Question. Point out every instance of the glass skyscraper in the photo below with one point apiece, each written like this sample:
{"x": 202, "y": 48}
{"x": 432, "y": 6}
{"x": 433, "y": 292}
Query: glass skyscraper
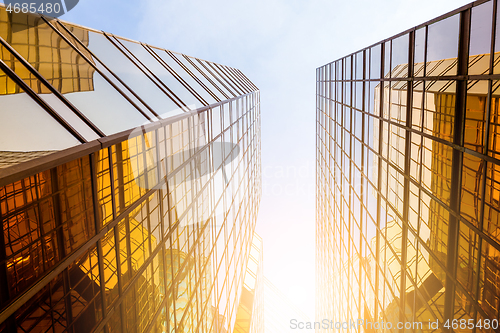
{"x": 408, "y": 178}
{"x": 130, "y": 182}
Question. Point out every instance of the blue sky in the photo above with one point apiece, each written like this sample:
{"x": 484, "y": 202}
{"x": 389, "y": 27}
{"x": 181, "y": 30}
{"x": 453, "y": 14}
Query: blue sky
{"x": 278, "y": 44}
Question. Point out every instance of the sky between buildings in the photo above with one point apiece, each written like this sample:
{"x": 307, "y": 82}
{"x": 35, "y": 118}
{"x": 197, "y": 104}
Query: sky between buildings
{"x": 278, "y": 44}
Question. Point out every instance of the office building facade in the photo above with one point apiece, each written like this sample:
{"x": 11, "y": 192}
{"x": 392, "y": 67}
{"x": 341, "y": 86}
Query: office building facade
{"x": 408, "y": 176}
{"x": 129, "y": 183}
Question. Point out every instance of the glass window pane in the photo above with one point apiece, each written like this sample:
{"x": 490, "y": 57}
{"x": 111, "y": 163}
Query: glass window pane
{"x": 442, "y": 44}
{"x": 25, "y": 126}
{"x": 387, "y": 59}
{"x": 359, "y": 65}
{"x": 491, "y": 220}
{"x": 472, "y": 181}
{"x": 436, "y": 168}
{"x": 399, "y": 63}
{"x": 439, "y": 109}
{"x": 475, "y": 114}
{"x": 418, "y": 68}
{"x": 480, "y": 39}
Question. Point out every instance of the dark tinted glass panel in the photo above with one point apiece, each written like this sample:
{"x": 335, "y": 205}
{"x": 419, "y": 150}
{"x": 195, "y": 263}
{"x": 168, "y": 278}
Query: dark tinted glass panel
{"x": 480, "y": 39}
{"x": 442, "y": 44}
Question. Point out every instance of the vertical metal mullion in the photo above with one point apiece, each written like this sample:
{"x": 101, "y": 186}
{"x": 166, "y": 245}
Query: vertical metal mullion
{"x": 162, "y": 226}
{"x": 486, "y": 145}
{"x": 61, "y": 241}
{"x": 379, "y": 174}
{"x": 4, "y": 287}
{"x": 37, "y": 99}
{"x": 406, "y": 200}
{"x": 97, "y": 225}
{"x": 116, "y": 233}
{"x": 457, "y": 162}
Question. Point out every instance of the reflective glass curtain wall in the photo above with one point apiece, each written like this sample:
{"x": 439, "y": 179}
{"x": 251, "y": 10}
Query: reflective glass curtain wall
{"x": 129, "y": 198}
{"x": 408, "y": 173}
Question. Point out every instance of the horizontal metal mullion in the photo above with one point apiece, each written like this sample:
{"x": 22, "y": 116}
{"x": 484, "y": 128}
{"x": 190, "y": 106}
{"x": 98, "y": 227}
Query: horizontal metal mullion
{"x": 49, "y": 276}
{"x": 18, "y": 302}
{"x": 23, "y": 170}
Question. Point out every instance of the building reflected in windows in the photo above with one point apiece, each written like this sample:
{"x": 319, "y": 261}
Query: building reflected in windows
{"x": 407, "y": 162}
